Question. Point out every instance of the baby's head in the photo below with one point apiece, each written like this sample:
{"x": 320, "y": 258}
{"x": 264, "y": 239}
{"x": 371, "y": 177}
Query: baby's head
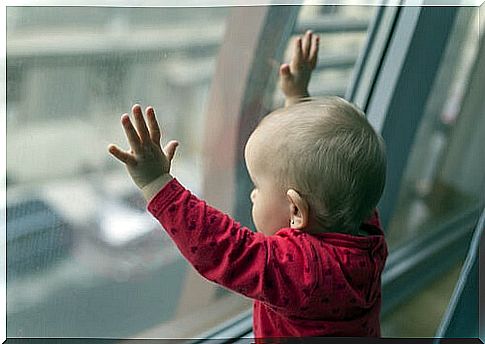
{"x": 317, "y": 166}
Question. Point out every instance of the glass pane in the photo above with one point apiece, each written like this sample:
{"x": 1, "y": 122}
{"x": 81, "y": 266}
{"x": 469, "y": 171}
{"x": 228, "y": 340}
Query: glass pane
{"x": 444, "y": 176}
{"x": 84, "y": 257}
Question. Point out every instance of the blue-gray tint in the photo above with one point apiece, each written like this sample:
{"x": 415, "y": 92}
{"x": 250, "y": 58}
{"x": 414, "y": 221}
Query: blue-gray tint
{"x": 461, "y": 317}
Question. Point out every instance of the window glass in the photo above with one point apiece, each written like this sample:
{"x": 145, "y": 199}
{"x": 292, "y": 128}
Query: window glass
{"x": 444, "y": 175}
{"x": 84, "y": 257}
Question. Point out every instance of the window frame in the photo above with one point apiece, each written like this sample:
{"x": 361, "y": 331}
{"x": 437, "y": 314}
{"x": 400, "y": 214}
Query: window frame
{"x": 394, "y": 108}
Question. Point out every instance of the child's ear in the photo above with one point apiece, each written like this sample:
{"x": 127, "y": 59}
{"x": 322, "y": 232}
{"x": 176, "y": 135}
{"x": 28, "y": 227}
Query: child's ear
{"x": 298, "y": 210}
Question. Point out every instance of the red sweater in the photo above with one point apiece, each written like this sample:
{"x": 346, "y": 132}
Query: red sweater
{"x": 327, "y": 284}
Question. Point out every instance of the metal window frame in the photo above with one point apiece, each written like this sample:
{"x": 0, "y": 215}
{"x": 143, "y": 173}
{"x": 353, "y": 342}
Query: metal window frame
{"x": 397, "y": 102}
{"x": 370, "y": 61}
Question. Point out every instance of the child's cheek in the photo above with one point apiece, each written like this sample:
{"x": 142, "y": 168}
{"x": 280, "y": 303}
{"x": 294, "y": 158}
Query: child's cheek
{"x": 256, "y": 217}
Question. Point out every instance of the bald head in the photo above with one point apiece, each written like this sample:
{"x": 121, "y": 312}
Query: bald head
{"x": 327, "y": 151}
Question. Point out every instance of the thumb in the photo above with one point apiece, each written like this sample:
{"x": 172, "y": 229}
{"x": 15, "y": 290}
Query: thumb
{"x": 285, "y": 71}
{"x": 170, "y": 148}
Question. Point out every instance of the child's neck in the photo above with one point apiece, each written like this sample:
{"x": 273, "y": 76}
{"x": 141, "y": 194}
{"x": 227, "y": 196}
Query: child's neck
{"x": 319, "y": 229}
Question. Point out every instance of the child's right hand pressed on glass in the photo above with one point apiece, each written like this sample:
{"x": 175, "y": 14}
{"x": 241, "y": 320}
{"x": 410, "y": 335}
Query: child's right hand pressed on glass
{"x": 146, "y": 161}
{"x": 295, "y": 76}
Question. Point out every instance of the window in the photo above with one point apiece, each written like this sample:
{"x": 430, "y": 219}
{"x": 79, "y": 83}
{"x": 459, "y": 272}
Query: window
{"x": 441, "y": 189}
{"x": 84, "y": 258}
{"x": 444, "y": 175}
{"x": 76, "y": 268}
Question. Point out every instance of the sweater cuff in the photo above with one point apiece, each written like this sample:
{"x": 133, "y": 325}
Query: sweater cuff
{"x": 166, "y": 196}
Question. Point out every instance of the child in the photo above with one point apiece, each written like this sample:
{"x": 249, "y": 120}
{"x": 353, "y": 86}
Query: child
{"x": 313, "y": 267}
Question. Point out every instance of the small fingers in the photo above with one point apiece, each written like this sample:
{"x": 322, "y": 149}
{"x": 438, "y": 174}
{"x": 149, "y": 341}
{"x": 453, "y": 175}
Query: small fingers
{"x": 170, "y": 148}
{"x": 130, "y": 132}
{"x": 153, "y": 126}
{"x": 307, "y": 40}
{"x": 297, "y": 53}
{"x": 140, "y": 123}
{"x": 121, "y": 155}
{"x": 313, "y": 57}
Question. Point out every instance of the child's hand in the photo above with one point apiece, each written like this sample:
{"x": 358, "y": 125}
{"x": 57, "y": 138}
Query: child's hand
{"x": 146, "y": 161}
{"x": 294, "y": 77}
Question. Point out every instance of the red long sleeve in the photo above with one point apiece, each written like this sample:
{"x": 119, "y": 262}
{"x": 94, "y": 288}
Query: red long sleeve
{"x": 302, "y": 284}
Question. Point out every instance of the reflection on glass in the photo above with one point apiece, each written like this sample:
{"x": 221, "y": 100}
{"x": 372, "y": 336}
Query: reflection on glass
{"x": 444, "y": 174}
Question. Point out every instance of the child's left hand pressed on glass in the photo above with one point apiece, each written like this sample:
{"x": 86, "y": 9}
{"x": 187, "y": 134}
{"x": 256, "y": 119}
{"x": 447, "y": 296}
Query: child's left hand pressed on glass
{"x": 146, "y": 160}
